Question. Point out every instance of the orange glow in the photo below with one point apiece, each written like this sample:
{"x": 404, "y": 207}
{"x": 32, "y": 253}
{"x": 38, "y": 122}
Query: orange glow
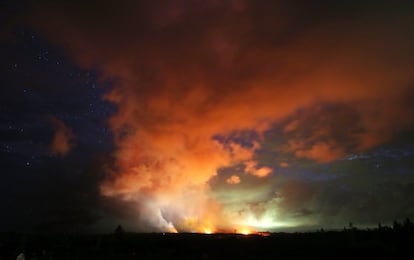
{"x": 241, "y": 230}
{"x": 245, "y": 231}
{"x": 234, "y": 179}
{"x": 173, "y": 230}
{"x": 183, "y": 78}
{"x": 251, "y": 168}
{"x": 207, "y": 231}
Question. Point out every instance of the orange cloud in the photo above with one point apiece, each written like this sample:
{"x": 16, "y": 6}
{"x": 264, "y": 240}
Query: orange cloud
{"x": 284, "y": 165}
{"x": 62, "y": 141}
{"x": 234, "y": 179}
{"x": 251, "y": 168}
{"x": 320, "y": 152}
{"x": 292, "y": 126}
{"x": 186, "y": 72}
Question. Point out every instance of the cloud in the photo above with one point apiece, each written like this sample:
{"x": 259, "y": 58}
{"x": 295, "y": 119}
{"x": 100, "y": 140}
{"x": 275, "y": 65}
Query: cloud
{"x": 234, "y": 179}
{"x": 63, "y": 138}
{"x": 320, "y": 152}
{"x": 251, "y": 168}
{"x": 328, "y": 131}
{"x": 186, "y": 71}
{"x": 284, "y": 164}
{"x": 292, "y": 126}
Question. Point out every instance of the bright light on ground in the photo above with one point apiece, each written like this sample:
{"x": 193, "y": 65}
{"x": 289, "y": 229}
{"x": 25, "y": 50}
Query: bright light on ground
{"x": 266, "y": 223}
{"x": 207, "y": 231}
{"x": 245, "y": 232}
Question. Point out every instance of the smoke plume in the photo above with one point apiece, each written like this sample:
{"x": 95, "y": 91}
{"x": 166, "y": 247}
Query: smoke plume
{"x": 189, "y": 75}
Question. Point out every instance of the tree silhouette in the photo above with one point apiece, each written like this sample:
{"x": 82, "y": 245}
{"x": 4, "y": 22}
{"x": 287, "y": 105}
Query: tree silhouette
{"x": 408, "y": 224}
{"x": 119, "y": 230}
{"x": 396, "y": 225}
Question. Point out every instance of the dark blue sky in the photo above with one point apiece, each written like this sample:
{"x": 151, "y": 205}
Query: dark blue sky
{"x": 39, "y": 82}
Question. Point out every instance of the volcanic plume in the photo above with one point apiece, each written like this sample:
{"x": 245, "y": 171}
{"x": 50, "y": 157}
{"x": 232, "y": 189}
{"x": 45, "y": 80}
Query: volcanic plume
{"x": 190, "y": 77}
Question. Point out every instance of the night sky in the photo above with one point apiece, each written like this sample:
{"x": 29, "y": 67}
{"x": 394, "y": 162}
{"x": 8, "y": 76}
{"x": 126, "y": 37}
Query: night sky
{"x": 205, "y": 116}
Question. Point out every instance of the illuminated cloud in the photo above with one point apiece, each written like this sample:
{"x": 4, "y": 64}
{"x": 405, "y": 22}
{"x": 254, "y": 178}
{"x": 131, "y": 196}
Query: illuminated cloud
{"x": 293, "y": 125}
{"x": 63, "y": 137}
{"x": 252, "y": 168}
{"x": 186, "y": 72}
{"x": 234, "y": 179}
{"x": 320, "y": 152}
{"x": 284, "y": 164}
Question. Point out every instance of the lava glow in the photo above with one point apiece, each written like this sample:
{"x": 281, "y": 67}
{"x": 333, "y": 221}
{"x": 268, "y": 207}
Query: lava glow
{"x": 207, "y": 231}
{"x": 242, "y": 231}
{"x": 245, "y": 231}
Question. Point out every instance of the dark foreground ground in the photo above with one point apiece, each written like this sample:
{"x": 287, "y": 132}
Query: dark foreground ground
{"x": 347, "y": 244}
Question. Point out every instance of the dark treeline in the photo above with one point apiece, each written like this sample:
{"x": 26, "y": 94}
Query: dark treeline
{"x": 383, "y": 242}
